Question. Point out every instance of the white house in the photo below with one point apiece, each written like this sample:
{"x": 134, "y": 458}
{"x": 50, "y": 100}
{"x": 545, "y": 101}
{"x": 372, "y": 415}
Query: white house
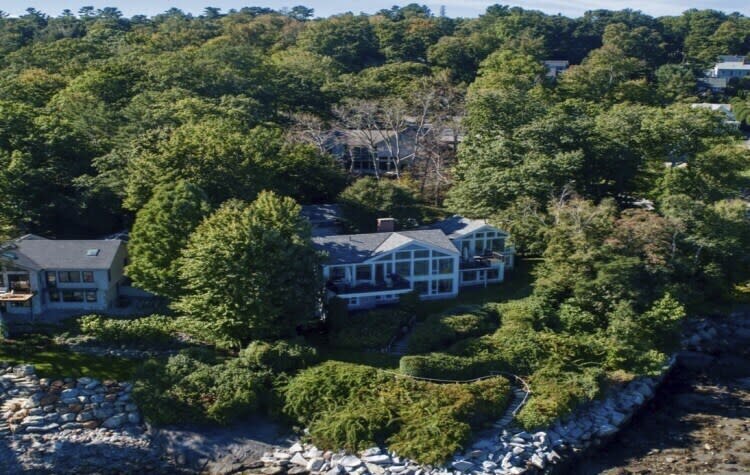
{"x": 41, "y": 274}
{"x": 729, "y": 67}
{"x": 725, "y": 109}
{"x": 371, "y": 269}
{"x": 555, "y": 67}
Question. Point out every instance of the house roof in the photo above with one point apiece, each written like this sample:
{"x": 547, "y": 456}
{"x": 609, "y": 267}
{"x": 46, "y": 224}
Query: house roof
{"x": 37, "y": 253}
{"x": 353, "y": 248}
{"x": 321, "y": 213}
{"x": 457, "y": 226}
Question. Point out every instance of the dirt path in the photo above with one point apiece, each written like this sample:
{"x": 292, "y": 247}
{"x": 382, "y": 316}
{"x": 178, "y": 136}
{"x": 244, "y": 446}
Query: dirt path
{"x": 698, "y": 423}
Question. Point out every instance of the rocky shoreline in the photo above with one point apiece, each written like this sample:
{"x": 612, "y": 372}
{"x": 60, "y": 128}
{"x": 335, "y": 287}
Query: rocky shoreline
{"x": 515, "y": 453}
{"x": 88, "y": 426}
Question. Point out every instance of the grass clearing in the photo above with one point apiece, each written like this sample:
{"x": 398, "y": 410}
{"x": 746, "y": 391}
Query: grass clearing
{"x": 55, "y": 361}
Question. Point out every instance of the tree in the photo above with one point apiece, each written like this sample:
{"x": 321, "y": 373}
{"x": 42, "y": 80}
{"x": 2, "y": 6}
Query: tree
{"x": 250, "y": 272}
{"x": 159, "y": 234}
{"x": 348, "y": 39}
{"x": 368, "y": 199}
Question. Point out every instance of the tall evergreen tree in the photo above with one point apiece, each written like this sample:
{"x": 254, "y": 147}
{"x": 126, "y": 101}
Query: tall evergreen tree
{"x": 159, "y": 234}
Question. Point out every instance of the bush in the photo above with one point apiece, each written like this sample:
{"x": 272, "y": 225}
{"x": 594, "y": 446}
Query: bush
{"x": 440, "y": 331}
{"x": 353, "y": 407}
{"x": 556, "y": 392}
{"x": 152, "y": 331}
{"x": 279, "y": 357}
{"x": 328, "y": 386}
{"x": 373, "y": 329}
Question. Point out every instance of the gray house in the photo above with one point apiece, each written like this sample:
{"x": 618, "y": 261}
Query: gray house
{"x": 371, "y": 269}
{"x": 39, "y": 275}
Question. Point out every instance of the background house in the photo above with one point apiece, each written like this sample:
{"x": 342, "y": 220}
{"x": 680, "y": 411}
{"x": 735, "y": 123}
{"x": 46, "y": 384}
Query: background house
{"x": 65, "y": 276}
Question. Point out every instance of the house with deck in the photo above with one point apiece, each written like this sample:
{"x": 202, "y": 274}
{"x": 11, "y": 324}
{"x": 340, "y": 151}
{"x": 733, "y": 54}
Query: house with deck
{"x": 730, "y": 67}
{"x": 40, "y": 275}
{"x": 372, "y": 269}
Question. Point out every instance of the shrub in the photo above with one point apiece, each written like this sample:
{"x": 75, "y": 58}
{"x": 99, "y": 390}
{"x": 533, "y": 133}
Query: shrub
{"x": 186, "y": 389}
{"x": 440, "y": 331}
{"x": 328, "y": 386}
{"x": 556, "y": 392}
{"x": 373, "y": 329}
{"x": 354, "y": 407}
{"x": 279, "y": 357}
{"x": 151, "y": 331}
{"x": 450, "y": 367}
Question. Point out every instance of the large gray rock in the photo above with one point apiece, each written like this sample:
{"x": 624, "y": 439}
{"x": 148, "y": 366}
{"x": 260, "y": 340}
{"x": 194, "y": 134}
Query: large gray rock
{"x": 315, "y": 464}
{"x": 462, "y": 465}
{"x": 298, "y": 459}
{"x": 350, "y": 461}
{"x": 381, "y": 459}
{"x": 114, "y": 422}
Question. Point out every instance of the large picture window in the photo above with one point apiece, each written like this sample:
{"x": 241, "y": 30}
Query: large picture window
{"x": 87, "y": 276}
{"x": 421, "y": 267}
{"x": 442, "y": 266}
{"x": 403, "y": 268}
{"x": 337, "y": 273}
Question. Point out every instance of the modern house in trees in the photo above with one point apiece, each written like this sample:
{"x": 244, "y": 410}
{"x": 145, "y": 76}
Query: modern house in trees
{"x": 556, "y": 67}
{"x": 729, "y": 67}
{"x": 371, "y": 269}
{"x": 68, "y": 276}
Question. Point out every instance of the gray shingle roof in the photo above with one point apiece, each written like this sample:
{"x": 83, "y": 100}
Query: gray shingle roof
{"x": 457, "y": 226}
{"x": 352, "y": 248}
{"x": 37, "y": 253}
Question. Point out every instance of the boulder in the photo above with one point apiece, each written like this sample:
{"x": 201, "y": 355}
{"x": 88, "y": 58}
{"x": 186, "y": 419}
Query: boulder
{"x": 292, "y": 450}
{"x": 382, "y": 459}
{"x": 298, "y": 459}
{"x": 114, "y": 422}
{"x": 350, "y": 462}
{"x": 315, "y": 464}
{"x": 374, "y": 469}
{"x": 462, "y": 465}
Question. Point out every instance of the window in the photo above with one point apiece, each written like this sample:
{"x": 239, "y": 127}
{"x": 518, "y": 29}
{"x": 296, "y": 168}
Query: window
{"x": 72, "y": 295}
{"x": 421, "y": 254}
{"x": 421, "y": 267}
{"x": 53, "y": 295}
{"x": 466, "y": 247}
{"x": 438, "y": 254}
{"x": 364, "y": 272}
{"x": 403, "y": 255}
{"x": 479, "y": 235}
{"x": 442, "y": 266}
{"x": 422, "y": 288}
{"x": 51, "y": 279}
{"x": 91, "y": 295}
{"x": 443, "y": 286}
{"x": 498, "y": 244}
{"x": 480, "y": 246}
{"x": 338, "y": 273}
{"x": 385, "y": 258}
{"x": 470, "y": 276}
{"x": 403, "y": 268}
{"x": 88, "y": 276}
{"x": 354, "y": 301}
{"x": 493, "y": 274}
{"x": 69, "y": 276}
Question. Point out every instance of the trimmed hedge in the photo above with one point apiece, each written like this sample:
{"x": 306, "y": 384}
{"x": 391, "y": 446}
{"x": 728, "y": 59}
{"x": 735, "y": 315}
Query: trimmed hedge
{"x": 450, "y": 367}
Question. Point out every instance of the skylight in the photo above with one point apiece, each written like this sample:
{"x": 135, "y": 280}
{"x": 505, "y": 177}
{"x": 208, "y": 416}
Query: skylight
{"x": 92, "y": 252}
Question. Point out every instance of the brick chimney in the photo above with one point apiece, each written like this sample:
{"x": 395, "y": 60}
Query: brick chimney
{"x": 386, "y": 225}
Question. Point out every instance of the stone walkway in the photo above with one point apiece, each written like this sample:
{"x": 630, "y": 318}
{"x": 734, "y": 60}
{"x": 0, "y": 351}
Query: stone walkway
{"x": 520, "y": 395}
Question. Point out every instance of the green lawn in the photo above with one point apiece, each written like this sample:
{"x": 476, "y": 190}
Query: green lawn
{"x": 517, "y": 285}
{"x": 55, "y": 361}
